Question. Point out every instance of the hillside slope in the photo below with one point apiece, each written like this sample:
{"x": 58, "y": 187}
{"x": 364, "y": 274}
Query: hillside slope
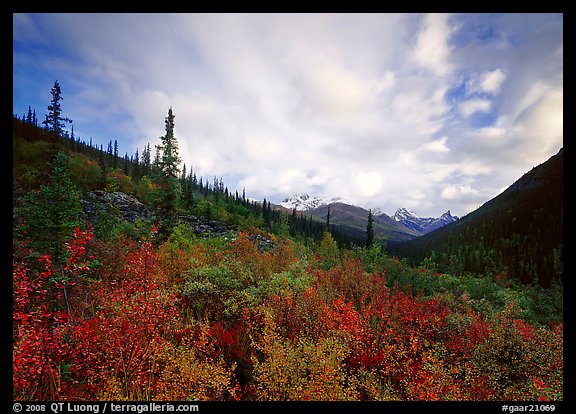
{"x": 353, "y": 220}
{"x": 519, "y": 233}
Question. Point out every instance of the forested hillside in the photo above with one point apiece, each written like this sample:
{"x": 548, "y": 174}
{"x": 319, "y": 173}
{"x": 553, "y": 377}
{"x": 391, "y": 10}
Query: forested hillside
{"x": 273, "y": 308}
{"x": 91, "y": 168}
{"x": 353, "y": 221}
{"x": 518, "y": 234}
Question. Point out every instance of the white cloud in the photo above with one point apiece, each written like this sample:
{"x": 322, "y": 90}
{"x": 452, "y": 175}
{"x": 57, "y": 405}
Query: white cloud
{"x": 330, "y": 91}
{"x": 542, "y": 124}
{"x": 438, "y": 145}
{"x": 369, "y": 183}
{"x": 491, "y": 82}
{"x": 432, "y": 50}
{"x": 490, "y": 132}
{"x": 471, "y": 106}
{"x": 454, "y": 192}
{"x": 385, "y": 84}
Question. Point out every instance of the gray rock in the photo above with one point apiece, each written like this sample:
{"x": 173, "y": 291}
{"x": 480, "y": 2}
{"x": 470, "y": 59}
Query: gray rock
{"x": 118, "y": 204}
{"x": 126, "y": 207}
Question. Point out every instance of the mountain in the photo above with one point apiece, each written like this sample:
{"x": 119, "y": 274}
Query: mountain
{"x": 302, "y": 202}
{"x": 305, "y": 202}
{"x": 352, "y": 220}
{"x": 422, "y": 224}
{"x": 517, "y": 234}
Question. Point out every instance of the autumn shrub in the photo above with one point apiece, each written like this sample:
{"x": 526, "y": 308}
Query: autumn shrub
{"x": 85, "y": 173}
{"x": 517, "y": 355}
{"x": 328, "y": 253}
{"x": 246, "y": 251}
{"x": 117, "y": 180}
{"x": 114, "y": 351}
{"x": 145, "y": 189}
{"x": 37, "y": 350}
{"x": 547, "y": 304}
{"x": 209, "y": 290}
{"x": 302, "y": 369}
{"x": 371, "y": 385}
{"x": 214, "y": 319}
{"x": 175, "y": 261}
{"x": 183, "y": 376}
{"x": 47, "y": 299}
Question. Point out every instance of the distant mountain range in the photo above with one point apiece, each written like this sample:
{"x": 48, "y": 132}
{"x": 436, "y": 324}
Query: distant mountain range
{"x": 518, "y": 233}
{"x": 422, "y": 224}
{"x": 352, "y": 220}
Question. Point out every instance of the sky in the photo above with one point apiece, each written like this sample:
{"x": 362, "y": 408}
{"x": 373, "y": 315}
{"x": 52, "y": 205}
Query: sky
{"x": 430, "y": 112}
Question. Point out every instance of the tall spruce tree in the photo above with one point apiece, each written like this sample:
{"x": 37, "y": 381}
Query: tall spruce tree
{"x": 369, "y": 230}
{"x": 54, "y": 122}
{"x": 146, "y": 160}
{"x": 169, "y": 189}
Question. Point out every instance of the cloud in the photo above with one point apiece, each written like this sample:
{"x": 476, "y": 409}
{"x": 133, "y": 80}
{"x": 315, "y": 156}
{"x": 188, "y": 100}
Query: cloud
{"x": 491, "y": 82}
{"x": 432, "y": 49}
{"x": 369, "y": 183}
{"x": 430, "y": 112}
{"x": 542, "y": 124}
{"x": 386, "y": 83}
{"x": 330, "y": 91}
{"x": 472, "y": 106}
{"x": 24, "y": 29}
{"x": 438, "y": 145}
{"x": 453, "y": 192}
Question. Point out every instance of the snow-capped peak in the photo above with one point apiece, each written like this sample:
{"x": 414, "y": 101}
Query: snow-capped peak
{"x": 305, "y": 202}
{"x": 422, "y": 224}
{"x": 403, "y": 214}
{"x": 376, "y": 211}
{"x": 302, "y": 202}
{"x": 448, "y": 216}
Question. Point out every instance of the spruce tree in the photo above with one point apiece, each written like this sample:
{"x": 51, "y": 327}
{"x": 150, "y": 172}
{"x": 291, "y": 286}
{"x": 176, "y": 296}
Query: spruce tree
{"x": 369, "y": 230}
{"x": 146, "y": 160}
{"x": 183, "y": 178}
{"x": 266, "y": 214}
{"x": 29, "y": 116}
{"x": 169, "y": 189}
{"x": 54, "y": 211}
{"x": 115, "y": 162}
{"x": 136, "y": 168}
{"x": 190, "y": 188}
{"x": 54, "y": 122}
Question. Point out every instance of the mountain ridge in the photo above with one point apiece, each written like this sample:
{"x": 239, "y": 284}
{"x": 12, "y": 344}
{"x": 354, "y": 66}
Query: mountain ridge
{"x": 404, "y": 225}
{"x": 352, "y": 220}
{"x": 423, "y": 225}
{"x": 306, "y": 202}
{"x": 518, "y": 233}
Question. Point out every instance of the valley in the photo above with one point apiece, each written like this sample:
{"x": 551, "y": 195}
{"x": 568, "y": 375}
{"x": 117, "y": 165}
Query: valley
{"x": 219, "y": 297}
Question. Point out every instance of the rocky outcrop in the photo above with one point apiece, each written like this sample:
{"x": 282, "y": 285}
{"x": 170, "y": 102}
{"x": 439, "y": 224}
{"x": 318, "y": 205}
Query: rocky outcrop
{"x": 116, "y": 204}
{"x": 203, "y": 226}
{"x": 125, "y": 207}
{"x": 128, "y": 208}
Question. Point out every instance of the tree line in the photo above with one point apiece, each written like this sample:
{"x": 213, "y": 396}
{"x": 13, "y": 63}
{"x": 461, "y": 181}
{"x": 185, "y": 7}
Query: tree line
{"x": 156, "y": 179}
